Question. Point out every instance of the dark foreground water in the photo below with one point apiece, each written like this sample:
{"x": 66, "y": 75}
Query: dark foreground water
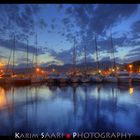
{"x": 67, "y": 109}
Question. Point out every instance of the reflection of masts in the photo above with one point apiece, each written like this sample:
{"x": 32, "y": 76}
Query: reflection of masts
{"x": 113, "y": 52}
{"x": 98, "y": 108}
{"x": 27, "y": 108}
{"x": 74, "y": 105}
{"x": 74, "y": 100}
{"x": 97, "y": 58}
{"x": 86, "y": 98}
{"x": 35, "y": 109}
{"x": 114, "y": 108}
{"x": 13, "y": 114}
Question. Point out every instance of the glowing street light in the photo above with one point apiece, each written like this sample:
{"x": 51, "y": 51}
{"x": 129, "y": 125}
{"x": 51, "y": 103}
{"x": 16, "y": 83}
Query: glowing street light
{"x": 53, "y": 70}
{"x": 99, "y": 71}
{"x": 37, "y": 69}
{"x": 130, "y": 67}
{"x": 117, "y": 68}
{"x": 42, "y": 71}
{"x": 113, "y": 70}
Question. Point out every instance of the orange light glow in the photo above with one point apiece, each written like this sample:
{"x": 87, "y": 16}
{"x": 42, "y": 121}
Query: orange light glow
{"x": 42, "y": 71}
{"x": 1, "y": 71}
{"x": 53, "y": 70}
{"x": 113, "y": 70}
{"x": 1, "y": 64}
{"x": 130, "y": 66}
{"x": 131, "y": 90}
{"x": 37, "y": 69}
{"x": 117, "y": 68}
{"x": 99, "y": 71}
{"x": 2, "y": 98}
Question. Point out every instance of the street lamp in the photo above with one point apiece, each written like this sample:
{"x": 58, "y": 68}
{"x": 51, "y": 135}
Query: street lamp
{"x": 130, "y": 67}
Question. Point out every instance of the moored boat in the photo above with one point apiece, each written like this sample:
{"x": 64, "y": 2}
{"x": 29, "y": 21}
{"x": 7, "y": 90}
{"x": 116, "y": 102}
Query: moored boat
{"x": 85, "y": 79}
{"x": 62, "y": 78}
{"x": 75, "y": 79}
{"x": 136, "y": 77}
{"x": 52, "y": 78}
{"x": 97, "y": 78}
{"x": 111, "y": 78}
{"x": 124, "y": 76}
{"x": 37, "y": 79}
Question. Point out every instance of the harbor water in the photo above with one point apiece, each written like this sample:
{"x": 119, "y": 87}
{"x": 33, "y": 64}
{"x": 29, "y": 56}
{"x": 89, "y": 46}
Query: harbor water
{"x": 70, "y": 108}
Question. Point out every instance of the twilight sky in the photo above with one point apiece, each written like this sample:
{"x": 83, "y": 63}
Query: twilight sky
{"x": 56, "y": 26}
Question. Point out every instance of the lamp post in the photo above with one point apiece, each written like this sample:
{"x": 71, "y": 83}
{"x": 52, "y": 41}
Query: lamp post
{"x": 130, "y": 68}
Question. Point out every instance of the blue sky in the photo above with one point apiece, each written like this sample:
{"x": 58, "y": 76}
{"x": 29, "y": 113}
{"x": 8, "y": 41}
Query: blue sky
{"x": 57, "y": 25}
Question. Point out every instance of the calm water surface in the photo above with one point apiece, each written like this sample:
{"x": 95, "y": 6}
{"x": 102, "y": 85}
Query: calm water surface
{"x": 67, "y": 109}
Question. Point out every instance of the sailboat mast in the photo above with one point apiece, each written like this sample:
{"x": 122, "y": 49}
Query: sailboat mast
{"x": 74, "y": 57}
{"x": 14, "y": 53}
{"x": 27, "y": 52}
{"x": 85, "y": 50}
{"x": 36, "y": 52}
{"x": 97, "y": 58}
{"x": 113, "y": 53}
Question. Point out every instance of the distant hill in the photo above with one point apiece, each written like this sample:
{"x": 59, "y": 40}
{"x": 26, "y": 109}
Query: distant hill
{"x": 103, "y": 65}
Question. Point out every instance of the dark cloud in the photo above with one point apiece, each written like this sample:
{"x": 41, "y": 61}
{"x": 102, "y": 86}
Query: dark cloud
{"x": 136, "y": 26}
{"x": 65, "y": 21}
{"x": 20, "y": 18}
{"x": 65, "y": 56}
{"x": 42, "y": 23}
{"x": 100, "y": 17}
{"x": 19, "y": 46}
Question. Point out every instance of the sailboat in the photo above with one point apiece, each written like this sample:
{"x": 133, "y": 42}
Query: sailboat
{"x": 36, "y": 78}
{"x": 74, "y": 77}
{"x": 112, "y": 77}
{"x": 135, "y": 77}
{"x": 24, "y": 79}
{"x": 85, "y": 78}
{"x": 62, "y": 78}
{"x": 97, "y": 77}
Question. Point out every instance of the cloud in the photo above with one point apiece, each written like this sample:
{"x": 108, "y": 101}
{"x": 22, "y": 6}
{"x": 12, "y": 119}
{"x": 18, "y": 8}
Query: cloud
{"x": 101, "y": 17}
{"x": 20, "y": 19}
{"x": 136, "y": 27}
{"x": 20, "y": 46}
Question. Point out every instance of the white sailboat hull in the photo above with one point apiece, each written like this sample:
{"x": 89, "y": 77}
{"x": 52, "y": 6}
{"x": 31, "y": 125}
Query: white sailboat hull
{"x": 96, "y": 79}
{"x": 85, "y": 79}
{"x": 37, "y": 80}
{"x": 124, "y": 80}
{"x": 111, "y": 79}
{"x": 75, "y": 79}
{"x": 63, "y": 80}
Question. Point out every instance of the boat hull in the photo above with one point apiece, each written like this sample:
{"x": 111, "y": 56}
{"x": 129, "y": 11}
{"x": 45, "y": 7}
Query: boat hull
{"x": 85, "y": 80}
{"x": 75, "y": 79}
{"x": 21, "y": 81}
{"x": 111, "y": 79}
{"x": 96, "y": 79}
{"x": 37, "y": 80}
{"x": 51, "y": 80}
{"x": 136, "y": 80}
{"x": 124, "y": 80}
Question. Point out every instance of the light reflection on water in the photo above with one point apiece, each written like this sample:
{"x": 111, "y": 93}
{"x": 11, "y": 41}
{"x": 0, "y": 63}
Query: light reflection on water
{"x": 77, "y": 108}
